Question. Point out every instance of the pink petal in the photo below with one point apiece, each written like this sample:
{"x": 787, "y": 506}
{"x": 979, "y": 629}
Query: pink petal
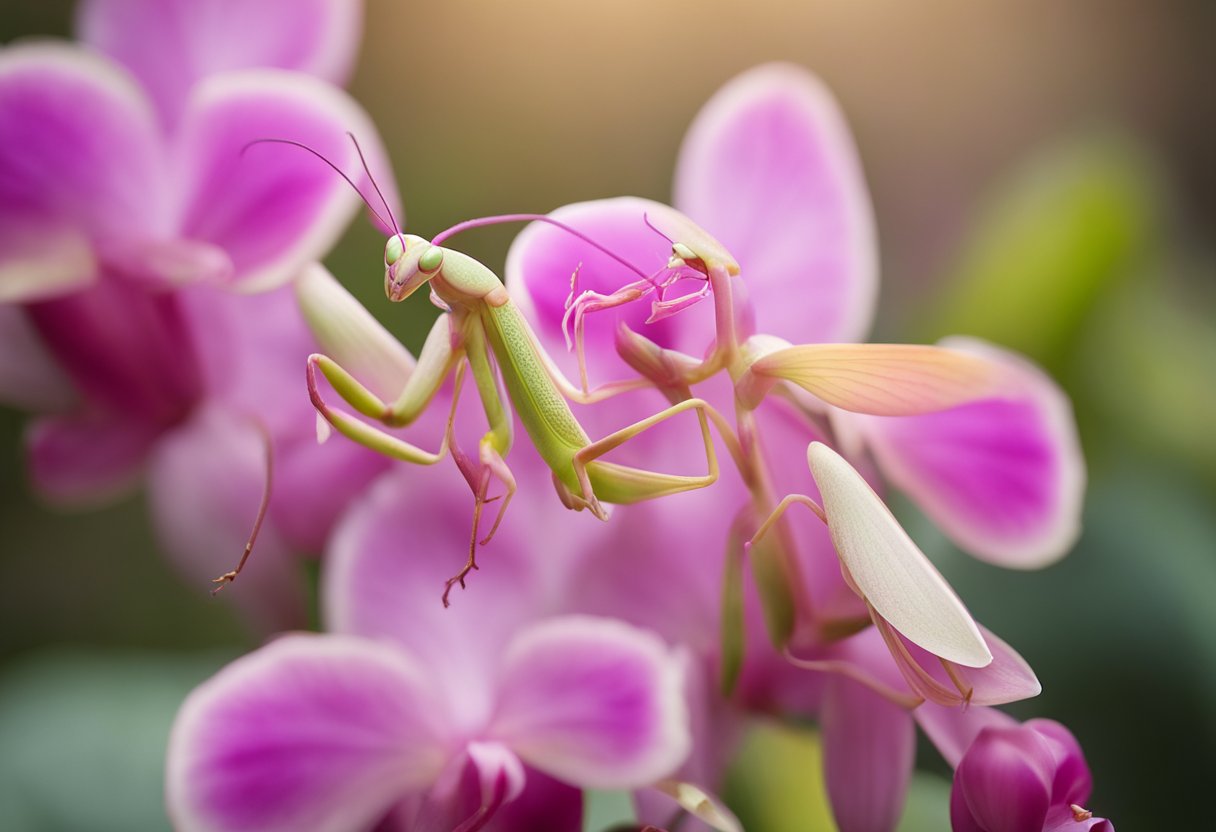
{"x": 1004, "y": 478}
{"x": 385, "y": 574}
{"x": 127, "y": 350}
{"x": 1008, "y": 678}
{"x": 30, "y": 378}
{"x": 952, "y": 730}
{"x": 770, "y": 169}
{"x": 88, "y": 459}
{"x": 1073, "y": 782}
{"x": 594, "y": 702}
{"x": 314, "y": 486}
{"x": 544, "y": 805}
{"x": 172, "y": 44}
{"x": 310, "y": 732}
{"x": 1004, "y": 781}
{"x": 80, "y": 164}
{"x": 869, "y": 747}
{"x": 205, "y": 486}
{"x": 273, "y": 207}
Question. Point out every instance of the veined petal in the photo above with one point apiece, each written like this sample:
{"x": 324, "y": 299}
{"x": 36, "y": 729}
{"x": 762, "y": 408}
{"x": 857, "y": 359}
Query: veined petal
{"x": 272, "y": 207}
{"x": 886, "y": 379}
{"x": 1004, "y": 478}
{"x": 888, "y": 568}
{"x": 80, "y": 164}
{"x": 594, "y": 702}
{"x": 769, "y": 167}
{"x": 869, "y": 745}
{"x": 310, "y": 732}
{"x": 172, "y": 44}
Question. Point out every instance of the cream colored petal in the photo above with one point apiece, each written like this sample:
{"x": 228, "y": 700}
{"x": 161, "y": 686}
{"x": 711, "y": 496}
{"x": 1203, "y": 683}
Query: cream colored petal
{"x": 888, "y": 568}
{"x": 887, "y": 379}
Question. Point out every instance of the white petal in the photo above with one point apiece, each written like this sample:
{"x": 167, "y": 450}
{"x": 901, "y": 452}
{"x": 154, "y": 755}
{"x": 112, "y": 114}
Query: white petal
{"x": 891, "y": 572}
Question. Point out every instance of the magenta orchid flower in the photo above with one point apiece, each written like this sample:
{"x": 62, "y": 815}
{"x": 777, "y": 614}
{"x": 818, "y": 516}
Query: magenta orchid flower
{"x": 1011, "y": 776}
{"x": 129, "y": 215}
{"x": 171, "y": 45}
{"x": 422, "y": 717}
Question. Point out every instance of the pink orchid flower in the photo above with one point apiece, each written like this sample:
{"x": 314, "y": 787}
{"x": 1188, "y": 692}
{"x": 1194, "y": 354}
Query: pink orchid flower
{"x": 1011, "y": 776}
{"x": 131, "y": 219}
{"x": 412, "y": 716}
{"x": 769, "y": 169}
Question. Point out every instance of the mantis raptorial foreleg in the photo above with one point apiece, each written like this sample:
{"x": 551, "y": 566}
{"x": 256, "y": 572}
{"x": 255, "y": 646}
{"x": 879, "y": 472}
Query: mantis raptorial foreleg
{"x": 436, "y": 362}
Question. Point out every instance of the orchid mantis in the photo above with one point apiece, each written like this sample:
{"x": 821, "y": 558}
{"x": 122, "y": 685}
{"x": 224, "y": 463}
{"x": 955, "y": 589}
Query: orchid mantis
{"x": 483, "y": 330}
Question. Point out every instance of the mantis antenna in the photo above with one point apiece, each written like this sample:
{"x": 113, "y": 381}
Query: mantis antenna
{"x": 391, "y": 222}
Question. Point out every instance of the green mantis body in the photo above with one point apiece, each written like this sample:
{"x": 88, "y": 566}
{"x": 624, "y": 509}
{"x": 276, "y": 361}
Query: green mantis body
{"x": 482, "y": 321}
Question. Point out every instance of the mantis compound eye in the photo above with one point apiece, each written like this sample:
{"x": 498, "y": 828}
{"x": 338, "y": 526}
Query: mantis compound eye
{"x": 431, "y": 260}
{"x": 394, "y": 249}
{"x": 681, "y": 255}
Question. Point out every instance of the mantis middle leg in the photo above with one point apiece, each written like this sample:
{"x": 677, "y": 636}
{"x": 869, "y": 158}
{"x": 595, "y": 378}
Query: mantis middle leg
{"x": 492, "y": 448}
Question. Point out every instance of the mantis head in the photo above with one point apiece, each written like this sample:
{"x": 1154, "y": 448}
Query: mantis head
{"x": 409, "y": 262}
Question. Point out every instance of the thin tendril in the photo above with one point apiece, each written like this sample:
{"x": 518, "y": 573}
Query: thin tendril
{"x": 396, "y": 226}
{"x": 336, "y": 169}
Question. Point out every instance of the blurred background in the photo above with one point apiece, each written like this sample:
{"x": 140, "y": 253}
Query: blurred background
{"x": 1044, "y": 175}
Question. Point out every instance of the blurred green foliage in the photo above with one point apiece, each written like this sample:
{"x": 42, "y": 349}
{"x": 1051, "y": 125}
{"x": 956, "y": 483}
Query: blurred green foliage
{"x": 83, "y": 735}
{"x": 1065, "y": 226}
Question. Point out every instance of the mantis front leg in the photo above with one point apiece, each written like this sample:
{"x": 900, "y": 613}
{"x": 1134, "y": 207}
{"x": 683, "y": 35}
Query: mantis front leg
{"x": 440, "y": 355}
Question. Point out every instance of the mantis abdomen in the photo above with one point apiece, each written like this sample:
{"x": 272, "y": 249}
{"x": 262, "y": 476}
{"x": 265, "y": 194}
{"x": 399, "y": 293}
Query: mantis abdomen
{"x": 544, "y": 412}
